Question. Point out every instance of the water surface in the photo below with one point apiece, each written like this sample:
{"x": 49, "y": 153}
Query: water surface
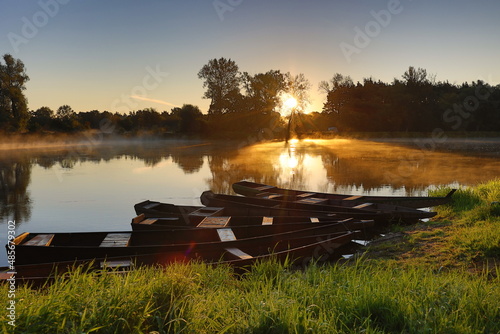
{"x": 94, "y": 187}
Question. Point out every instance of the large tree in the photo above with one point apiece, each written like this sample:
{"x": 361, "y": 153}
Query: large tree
{"x": 415, "y": 76}
{"x": 298, "y": 86}
{"x": 13, "y": 104}
{"x": 222, "y": 80}
{"x": 263, "y": 89}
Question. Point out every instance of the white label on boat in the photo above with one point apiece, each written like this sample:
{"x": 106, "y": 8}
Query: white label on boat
{"x": 314, "y": 220}
{"x": 226, "y": 234}
{"x": 267, "y": 220}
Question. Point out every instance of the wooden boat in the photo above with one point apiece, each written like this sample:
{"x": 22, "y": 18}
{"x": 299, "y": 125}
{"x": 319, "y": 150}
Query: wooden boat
{"x": 320, "y": 247}
{"x": 181, "y": 215}
{"x": 378, "y": 212}
{"x": 248, "y": 188}
{"x": 206, "y": 243}
{"x": 279, "y": 223}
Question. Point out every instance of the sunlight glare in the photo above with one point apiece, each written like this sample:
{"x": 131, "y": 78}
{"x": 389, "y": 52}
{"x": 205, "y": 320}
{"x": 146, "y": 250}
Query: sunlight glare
{"x": 288, "y": 104}
{"x": 288, "y": 161}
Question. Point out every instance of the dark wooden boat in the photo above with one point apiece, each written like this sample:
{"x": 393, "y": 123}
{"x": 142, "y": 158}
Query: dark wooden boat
{"x": 208, "y": 244}
{"x": 305, "y": 248}
{"x": 378, "y": 212}
{"x": 279, "y": 223}
{"x": 253, "y": 189}
{"x": 182, "y": 215}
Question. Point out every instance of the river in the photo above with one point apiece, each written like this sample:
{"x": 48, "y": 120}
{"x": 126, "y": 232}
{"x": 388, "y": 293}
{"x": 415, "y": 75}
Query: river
{"x": 93, "y": 186}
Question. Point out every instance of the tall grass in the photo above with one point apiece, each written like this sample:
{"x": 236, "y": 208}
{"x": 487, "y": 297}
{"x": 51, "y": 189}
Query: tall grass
{"x": 270, "y": 298}
{"x": 475, "y": 216}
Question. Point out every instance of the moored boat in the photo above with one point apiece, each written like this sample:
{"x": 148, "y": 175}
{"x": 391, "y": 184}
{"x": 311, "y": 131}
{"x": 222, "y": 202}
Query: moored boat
{"x": 378, "y": 212}
{"x": 206, "y": 244}
{"x": 278, "y": 223}
{"x": 182, "y": 215}
{"x": 253, "y": 189}
{"x": 320, "y": 247}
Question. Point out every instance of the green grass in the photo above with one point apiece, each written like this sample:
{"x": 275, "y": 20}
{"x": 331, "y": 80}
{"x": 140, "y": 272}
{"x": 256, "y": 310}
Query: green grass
{"x": 475, "y": 213}
{"x": 362, "y": 296}
{"x": 355, "y": 298}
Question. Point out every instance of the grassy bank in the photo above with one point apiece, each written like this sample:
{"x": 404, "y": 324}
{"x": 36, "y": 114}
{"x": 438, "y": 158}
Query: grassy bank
{"x": 465, "y": 234}
{"x": 437, "y": 277}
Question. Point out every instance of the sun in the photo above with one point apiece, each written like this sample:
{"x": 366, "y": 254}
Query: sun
{"x": 290, "y": 103}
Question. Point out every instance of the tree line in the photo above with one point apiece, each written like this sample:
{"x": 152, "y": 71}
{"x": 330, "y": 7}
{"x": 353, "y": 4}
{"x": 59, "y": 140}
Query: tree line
{"x": 244, "y": 105}
{"x": 415, "y": 103}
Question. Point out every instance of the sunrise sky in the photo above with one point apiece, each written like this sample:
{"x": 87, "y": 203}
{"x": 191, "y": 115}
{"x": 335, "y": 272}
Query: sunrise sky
{"x": 121, "y": 55}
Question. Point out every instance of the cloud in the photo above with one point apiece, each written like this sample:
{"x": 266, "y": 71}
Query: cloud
{"x": 153, "y": 100}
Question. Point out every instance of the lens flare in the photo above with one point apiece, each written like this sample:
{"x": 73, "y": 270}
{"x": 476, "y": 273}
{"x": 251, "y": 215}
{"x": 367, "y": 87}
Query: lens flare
{"x": 288, "y": 104}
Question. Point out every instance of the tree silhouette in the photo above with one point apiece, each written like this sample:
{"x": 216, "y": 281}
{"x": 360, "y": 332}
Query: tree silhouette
{"x": 222, "y": 80}
{"x": 298, "y": 86}
{"x": 41, "y": 119}
{"x": 415, "y": 76}
{"x": 13, "y": 103}
{"x": 263, "y": 90}
{"x": 190, "y": 118}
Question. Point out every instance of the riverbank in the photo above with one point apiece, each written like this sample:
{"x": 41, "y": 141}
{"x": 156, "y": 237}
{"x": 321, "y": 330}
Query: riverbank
{"x": 440, "y": 276}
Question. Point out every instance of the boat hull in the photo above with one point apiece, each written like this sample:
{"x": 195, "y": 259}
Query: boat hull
{"x": 205, "y": 244}
{"x": 253, "y": 189}
{"x": 379, "y": 212}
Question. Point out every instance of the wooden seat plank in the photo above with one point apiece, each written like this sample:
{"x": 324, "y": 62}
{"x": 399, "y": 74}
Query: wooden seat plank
{"x": 238, "y": 253}
{"x": 138, "y": 219}
{"x": 214, "y": 222}
{"x": 149, "y": 221}
{"x": 313, "y": 200}
{"x": 116, "y": 240}
{"x": 226, "y": 234}
{"x": 40, "y": 240}
{"x": 267, "y": 220}
{"x": 363, "y": 206}
{"x": 304, "y": 195}
{"x": 353, "y": 198}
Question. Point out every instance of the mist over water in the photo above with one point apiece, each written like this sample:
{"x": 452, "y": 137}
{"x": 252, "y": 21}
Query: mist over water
{"x": 93, "y": 187}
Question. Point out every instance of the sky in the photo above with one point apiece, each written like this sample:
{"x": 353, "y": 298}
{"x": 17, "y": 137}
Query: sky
{"x": 122, "y": 55}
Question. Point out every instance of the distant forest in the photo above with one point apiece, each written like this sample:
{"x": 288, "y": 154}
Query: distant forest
{"x": 244, "y": 105}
